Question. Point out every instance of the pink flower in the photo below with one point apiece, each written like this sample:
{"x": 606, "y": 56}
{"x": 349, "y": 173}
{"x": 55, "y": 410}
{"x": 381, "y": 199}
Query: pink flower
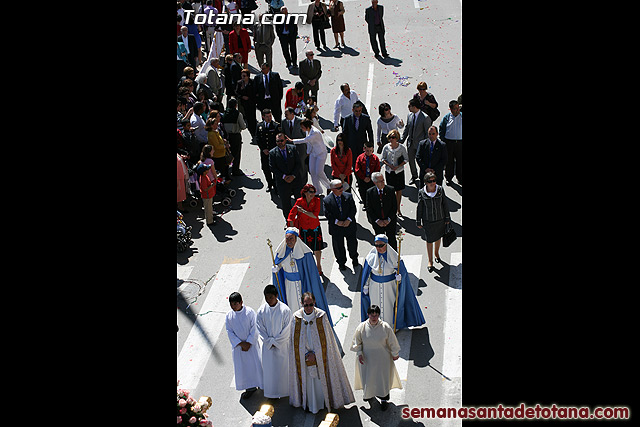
{"x": 182, "y": 403}
{"x": 192, "y": 420}
{"x": 179, "y": 420}
{"x": 183, "y": 410}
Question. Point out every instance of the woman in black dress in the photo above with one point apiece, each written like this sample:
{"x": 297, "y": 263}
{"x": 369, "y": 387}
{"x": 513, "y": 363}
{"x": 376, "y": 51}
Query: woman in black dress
{"x": 432, "y": 215}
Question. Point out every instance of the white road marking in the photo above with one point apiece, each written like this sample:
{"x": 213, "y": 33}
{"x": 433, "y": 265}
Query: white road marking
{"x": 196, "y": 350}
{"x": 452, "y": 352}
{"x": 369, "y": 88}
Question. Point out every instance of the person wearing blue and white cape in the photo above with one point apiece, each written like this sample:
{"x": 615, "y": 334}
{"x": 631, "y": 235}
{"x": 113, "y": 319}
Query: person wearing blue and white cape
{"x": 378, "y": 287}
{"x": 297, "y": 273}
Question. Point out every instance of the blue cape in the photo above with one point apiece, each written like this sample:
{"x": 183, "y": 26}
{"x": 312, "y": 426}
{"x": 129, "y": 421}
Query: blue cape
{"x": 409, "y": 313}
{"x": 310, "y": 281}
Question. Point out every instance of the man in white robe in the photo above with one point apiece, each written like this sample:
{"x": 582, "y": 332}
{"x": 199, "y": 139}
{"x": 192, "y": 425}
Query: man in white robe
{"x": 274, "y": 320}
{"x": 242, "y": 330}
{"x": 318, "y": 378}
{"x": 377, "y": 347}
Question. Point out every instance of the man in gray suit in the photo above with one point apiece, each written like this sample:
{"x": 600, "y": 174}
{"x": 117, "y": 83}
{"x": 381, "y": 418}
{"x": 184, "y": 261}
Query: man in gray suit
{"x": 263, "y": 40}
{"x": 310, "y": 72}
{"x": 291, "y": 127}
{"x": 417, "y": 129}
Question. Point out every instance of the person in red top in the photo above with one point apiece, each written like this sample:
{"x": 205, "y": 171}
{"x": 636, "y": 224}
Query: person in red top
{"x": 239, "y": 42}
{"x": 207, "y": 191}
{"x": 293, "y": 96}
{"x": 366, "y": 164}
{"x": 341, "y": 161}
{"x": 304, "y": 216}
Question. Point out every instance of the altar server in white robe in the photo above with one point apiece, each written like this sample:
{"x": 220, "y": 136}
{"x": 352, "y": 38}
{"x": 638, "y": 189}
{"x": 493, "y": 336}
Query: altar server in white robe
{"x": 274, "y": 320}
{"x": 318, "y": 378}
{"x": 377, "y": 347}
{"x": 242, "y": 330}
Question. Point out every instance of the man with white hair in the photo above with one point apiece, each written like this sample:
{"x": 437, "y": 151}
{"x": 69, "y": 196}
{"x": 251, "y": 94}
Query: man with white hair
{"x": 310, "y": 73}
{"x": 295, "y": 272}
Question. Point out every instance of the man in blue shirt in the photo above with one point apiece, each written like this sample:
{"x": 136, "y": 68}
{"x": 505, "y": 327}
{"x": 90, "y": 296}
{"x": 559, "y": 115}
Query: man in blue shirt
{"x": 451, "y": 134}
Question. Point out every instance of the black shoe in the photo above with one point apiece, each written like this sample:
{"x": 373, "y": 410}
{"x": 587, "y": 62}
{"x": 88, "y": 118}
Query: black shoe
{"x": 384, "y": 405}
{"x": 430, "y": 268}
{"x": 342, "y": 267}
{"x": 247, "y": 394}
{"x": 355, "y": 265}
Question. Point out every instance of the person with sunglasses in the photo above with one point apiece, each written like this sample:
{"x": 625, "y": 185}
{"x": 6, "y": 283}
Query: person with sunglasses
{"x": 378, "y": 287}
{"x": 432, "y": 215}
{"x": 340, "y": 211}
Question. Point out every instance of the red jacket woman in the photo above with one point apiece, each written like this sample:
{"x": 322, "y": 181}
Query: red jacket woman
{"x": 234, "y": 43}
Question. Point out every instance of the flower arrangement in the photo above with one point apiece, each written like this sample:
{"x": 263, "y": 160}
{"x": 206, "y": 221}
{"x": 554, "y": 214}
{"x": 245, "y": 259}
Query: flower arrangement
{"x": 190, "y": 412}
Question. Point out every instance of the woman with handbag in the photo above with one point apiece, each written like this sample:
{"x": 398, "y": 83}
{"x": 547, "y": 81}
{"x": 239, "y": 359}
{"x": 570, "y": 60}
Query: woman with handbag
{"x": 304, "y": 216}
{"x": 394, "y": 156}
{"x": 318, "y": 15}
{"x": 432, "y": 215}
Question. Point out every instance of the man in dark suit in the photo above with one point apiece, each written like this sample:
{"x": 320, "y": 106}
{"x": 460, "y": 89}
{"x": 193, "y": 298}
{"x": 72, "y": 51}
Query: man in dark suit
{"x": 432, "y": 154}
{"x": 291, "y": 128}
{"x": 340, "y": 210}
{"x": 232, "y": 73}
{"x": 356, "y": 131}
{"x": 310, "y": 72}
{"x": 287, "y": 34}
{"x": 382, "y": 206}
{"x": 266, "y": 132}
{"x": 269, "y": 91}
{"x": 373, "y": 15}
{"x": 416, "y": 130}
{"x": 285, "y": 166}
{"x": 189, "y": 41}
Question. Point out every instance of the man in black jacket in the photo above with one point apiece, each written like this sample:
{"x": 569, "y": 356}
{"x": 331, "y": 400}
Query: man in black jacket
{"x": 266, "y": 132}
{"x": 375, "y": 25}
{"x": 285, "y": 166}
{"x": 356, "y": 130}
{"x": 189, "y": 41}
{"x": 287, "y": 34}
{"x": 269, "y": 91}
{"x": 340, "y": 210}
{"x": 432, "y": 154}
{"x": 382, "y": 206}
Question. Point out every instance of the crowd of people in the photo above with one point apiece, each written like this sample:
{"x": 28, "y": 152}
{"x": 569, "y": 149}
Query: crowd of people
{"x": 217, "y": 98}
{"x": 216, "y": 103}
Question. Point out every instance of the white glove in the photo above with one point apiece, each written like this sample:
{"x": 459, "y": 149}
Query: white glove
{"x": 398, "y": 278}
{"x": 275, "y": 269}
{"x": 365, "y": 290}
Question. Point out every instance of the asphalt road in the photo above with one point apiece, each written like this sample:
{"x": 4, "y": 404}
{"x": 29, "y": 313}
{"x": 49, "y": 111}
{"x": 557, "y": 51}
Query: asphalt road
{"x": 424, "y": 41}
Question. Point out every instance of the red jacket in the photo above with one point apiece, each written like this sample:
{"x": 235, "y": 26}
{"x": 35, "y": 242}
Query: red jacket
{"x": 246, "y": 43}
{"x": 205, "y": 183}
{"x": 303, "y": 221}
{"x": 361, "y": 165}
{"x": 343, "y": 165}
{"x": 292, "y": 98}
